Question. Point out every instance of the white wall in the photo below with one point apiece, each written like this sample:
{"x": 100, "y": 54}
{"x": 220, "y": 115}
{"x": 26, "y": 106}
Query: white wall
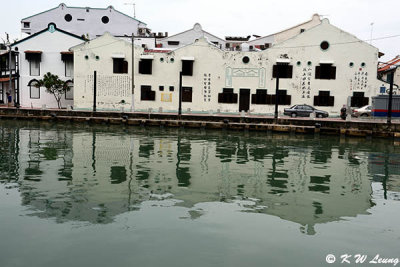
{"x": 51, "y": 44}
{"x": 119, "y": 24}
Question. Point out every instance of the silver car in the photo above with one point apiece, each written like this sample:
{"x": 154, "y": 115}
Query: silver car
{"x": 364, "y": 111}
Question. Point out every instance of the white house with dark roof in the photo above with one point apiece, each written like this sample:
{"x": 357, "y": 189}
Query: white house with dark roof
{"x": 189, "y": 37}
{"x": 91, "y": 22}
{"x": 45, "y": 51}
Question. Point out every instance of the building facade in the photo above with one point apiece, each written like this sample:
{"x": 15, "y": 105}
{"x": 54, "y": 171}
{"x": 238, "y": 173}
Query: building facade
{"x": 85, "y": 21}
{"x": 323, "y": 66}
{"x": 42, "y": 52}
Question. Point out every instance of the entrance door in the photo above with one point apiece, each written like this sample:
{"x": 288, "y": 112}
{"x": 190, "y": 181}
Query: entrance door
{"x": 244, "y": 100}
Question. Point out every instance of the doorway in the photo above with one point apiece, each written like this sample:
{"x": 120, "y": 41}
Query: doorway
{"x": 244, "y": 100}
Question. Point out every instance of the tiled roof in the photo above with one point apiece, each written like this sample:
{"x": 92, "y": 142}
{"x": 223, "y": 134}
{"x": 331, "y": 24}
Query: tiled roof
{"x": 389, "y": 65}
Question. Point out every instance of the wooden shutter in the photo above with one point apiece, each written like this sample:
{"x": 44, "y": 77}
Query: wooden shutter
{"x": 317, "y": 72}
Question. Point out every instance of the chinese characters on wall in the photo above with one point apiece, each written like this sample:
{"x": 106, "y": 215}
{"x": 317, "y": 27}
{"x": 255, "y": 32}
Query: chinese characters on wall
{"x": 359, "y": 81}
{"x": 305, "y": 82}
{"x": 206, "y": 92}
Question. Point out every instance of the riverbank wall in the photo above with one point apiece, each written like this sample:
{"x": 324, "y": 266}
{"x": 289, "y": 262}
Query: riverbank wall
{"x": 362, "y": 128}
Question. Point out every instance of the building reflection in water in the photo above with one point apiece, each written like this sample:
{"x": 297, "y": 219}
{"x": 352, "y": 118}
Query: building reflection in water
{"x": 96, "y": 173}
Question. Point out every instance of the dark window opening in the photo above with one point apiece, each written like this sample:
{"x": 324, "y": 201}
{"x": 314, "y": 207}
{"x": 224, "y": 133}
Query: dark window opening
{"x": 283, "y": 98}
{"x": 227, "y": 45}
{"x": 246, "y": 59}
{"x": 358, "y": 100}
{"x": 187, "y": 94}
{"x": 173, "y": 42}
{"x": 187, "y": 67}
{"x": 27, "y": 24}
{"x": 324, "y": 45}
{"x": 216, "y": 43}
{"x": 227, "y": 96}
{"x": 146, "y": 94}
{"x": 105, "y": 19}
{"x": 161, "y": 88}
{"x": 120, "y": 65}
{"x": 260, "y": 97}
{"x": 285, "y": 71}
{"x": 325, "y": 72}
{"x": 302, "y": 30}
{"x": 171, "y": 88}
{"x": 324, "y": 99}
{"x": 68, "y": 17}
{"x": 145, "y": 66}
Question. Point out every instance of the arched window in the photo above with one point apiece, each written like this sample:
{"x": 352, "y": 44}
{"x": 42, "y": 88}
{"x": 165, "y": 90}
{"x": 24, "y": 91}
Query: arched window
{"x": 69, "y": 95}
{"x": 34, "y": 91}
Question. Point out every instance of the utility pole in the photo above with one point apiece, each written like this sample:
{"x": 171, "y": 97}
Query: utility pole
{"x": 133, "y": 70}
{"x": 94, "y": 90}
{"x": 134, "y": 8}
{"x": 276, "y": 93}
{"x": 389, "y": 115}
{"x": 9, "y": 66}
{"x": 180, "y": 95}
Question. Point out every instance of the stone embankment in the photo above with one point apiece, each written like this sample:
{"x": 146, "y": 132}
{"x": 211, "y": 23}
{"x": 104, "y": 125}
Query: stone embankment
{"x": 363, "y": 128}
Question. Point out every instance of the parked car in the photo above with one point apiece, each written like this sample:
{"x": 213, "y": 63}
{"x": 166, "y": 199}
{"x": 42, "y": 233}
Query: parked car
{"x": 304, "y": 111}
{"x": 364, "y": 111}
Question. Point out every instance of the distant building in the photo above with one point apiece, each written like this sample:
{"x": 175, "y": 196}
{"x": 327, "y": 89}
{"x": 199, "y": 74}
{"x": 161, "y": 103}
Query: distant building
{"x": 85, "y": 21}
{"x": 386, "y": 70}
{"x": 189, "y": 37}
{"x": 42, "y": 52}
{"x": 266, "y": 42}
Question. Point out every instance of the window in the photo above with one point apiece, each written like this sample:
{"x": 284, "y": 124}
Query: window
{"x": 69, "y": 95}
{"x": 173, "y": 42}
{"x": 145, "y": 66}
{"x": 171, "y": 89}
{"x": 34, "y": 67}
{"x": 187, "y": 67}
{"x": 187, "y": 94}
{"x": 146, "y": 94}
{"x": 324, "y": 45}
{"x": 27, "y": 25}
{"x": 325, "y": 72}
{"x": 283, "y": 98}
{"x": 324, "y": 99}
{"x": 161, "y": 88}
{"x": 34, "y": 92}
{"x": 260, "y": 97}
{"x": 120, "y": 65}
{"x": 358, "y": 100}
{"x": 246, "y": 59}
{"x": 227, "y": 96}
{"x": 105, "y": 19}
{"x": 68, "y": 17}
{"x": 216, "y": 43}
{"x": 285, "y": 71}
{"x": 69, "y": 68}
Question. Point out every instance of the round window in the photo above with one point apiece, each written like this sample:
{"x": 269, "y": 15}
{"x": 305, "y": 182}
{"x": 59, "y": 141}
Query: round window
{"x": 172, "y": 60}
{"x": 298, "y": 63}
{"x": 97, "y": 57}
{"x": 246, "y": 59}
{"x": 309, "y": 63}
{"x": 324, "y": 45}
{"x": 68, "y": 17}
{"x": 86, "y": 57}
{"x": 161, "y": 59}
{"x": 351, "y": 64}
{"x": 105, "y": 19}
{"x": 363, "y": 64}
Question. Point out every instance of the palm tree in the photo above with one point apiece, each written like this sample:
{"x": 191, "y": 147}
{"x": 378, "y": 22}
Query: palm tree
{"x": 54, "y": 85}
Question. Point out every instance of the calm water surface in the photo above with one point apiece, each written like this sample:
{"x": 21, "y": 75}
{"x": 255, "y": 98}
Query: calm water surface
{"x": 79, "y": 195}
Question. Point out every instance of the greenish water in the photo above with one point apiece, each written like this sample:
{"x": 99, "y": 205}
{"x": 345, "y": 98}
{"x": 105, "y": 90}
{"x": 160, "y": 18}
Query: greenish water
{"x": 79, "y": 195}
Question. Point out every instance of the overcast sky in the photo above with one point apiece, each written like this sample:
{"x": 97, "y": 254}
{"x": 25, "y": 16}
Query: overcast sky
{"x": 237, "y": 18}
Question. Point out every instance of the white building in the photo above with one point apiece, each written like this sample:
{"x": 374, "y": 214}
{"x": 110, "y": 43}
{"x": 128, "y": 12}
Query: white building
{"x": 42, "y": 52}
{"x": 266, "y": 42}
{"x": 323, "y": 66}
{"x": 189, "y": 37}
{"x": 85, "y": 21}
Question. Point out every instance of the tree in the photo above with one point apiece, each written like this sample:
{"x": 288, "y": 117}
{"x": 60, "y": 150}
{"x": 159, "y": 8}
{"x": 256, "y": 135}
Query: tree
{"x": 54, "y": 85}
